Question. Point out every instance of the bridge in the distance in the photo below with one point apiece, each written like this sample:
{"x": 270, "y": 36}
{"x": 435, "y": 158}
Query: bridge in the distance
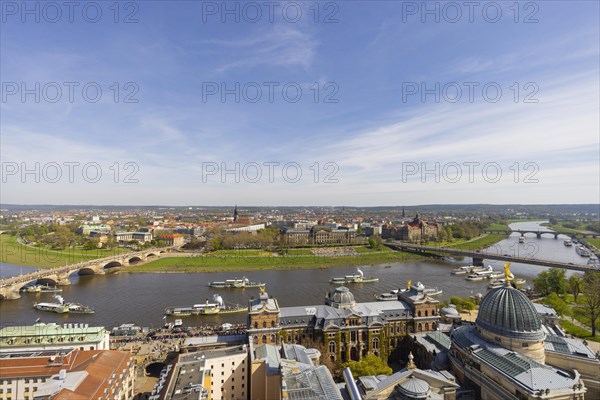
{"x": 490, "y": 254}
{"x": 539, "y": 233}
{"x": 10, "y": 287}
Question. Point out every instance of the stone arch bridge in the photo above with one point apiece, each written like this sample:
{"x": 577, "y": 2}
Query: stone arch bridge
{"x": 539, "y": 234}
{"x": 10, "y": 287}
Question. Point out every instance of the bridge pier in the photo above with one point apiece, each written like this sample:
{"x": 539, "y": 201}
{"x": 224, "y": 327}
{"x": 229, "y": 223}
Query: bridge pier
{"x": 9, "y": 293}
{"x": 539, "y": 235}
{"x": 63, "y": 280}
{"x": 556, "y": 236}
{"x": 478, "y": 261}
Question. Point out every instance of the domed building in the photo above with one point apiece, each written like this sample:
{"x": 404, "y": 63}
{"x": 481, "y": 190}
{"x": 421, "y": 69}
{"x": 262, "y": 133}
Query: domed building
{"x": 348, "y": 330}
{"x": 508, "y": 318}
{"x": 341, "y": 297}
{"x": 503, "y": 354}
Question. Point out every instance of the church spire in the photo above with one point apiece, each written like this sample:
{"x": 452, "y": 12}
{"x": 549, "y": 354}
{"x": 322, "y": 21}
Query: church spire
{"x": 235, "y": 214}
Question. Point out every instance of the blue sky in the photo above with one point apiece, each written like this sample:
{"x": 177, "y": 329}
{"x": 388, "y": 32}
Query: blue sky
{"x": 374, "y": 138}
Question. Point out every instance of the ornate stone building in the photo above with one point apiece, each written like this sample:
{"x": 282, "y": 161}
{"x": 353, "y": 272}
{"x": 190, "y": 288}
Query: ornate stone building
{"x": 414, "y": 231}
{"x": 346, "y": 329}
{"x": 508, "y": 354}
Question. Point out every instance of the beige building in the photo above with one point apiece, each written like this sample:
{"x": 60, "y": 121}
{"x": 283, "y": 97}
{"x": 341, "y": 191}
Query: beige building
{"x": 290, "y": 371}
{"x": 410, "y": 383}
{"x": 347, "y": 330}
{"x": 67, "y": 374}
{"x": 52, "y": 336}
{"x": 503, "y": 356}
{"x": 210, "y": 374}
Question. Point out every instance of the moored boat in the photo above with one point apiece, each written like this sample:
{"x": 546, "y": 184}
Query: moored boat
{"x": 568, "y": 242}
{"x": 496, "y": 283}
{"x": 41, "y": 289}
{"x": 496, "y": 275}
{"x": 357, "y": 277}
{"x": 235, "y": 284}
{"x": 63, "y": 308}
{"x": 522, "y": 239}
{"x": 462, "y": 270}
{"x": 392, "y": 295}
{"x": 218, "y": 307}
{"x": 583, "y": 251}
{"x": 475, "y": 277}
{"x": 432, "y": 291}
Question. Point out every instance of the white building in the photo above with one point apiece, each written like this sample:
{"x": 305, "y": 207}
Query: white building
{"x": 52, "y": 336}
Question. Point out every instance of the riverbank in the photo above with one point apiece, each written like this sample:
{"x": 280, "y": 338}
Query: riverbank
{"x": 203, "y": 263}
{"x": 17, "y": 253}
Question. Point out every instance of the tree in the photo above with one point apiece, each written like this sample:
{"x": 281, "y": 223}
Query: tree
{"x": 557, "y": 280}
{"x": 591, "y": 297}
{"x": 369, "y": 365}
{"x": 575, "y": 284}
{"x": 541, "y": 284}
{"x": 559, "y": 305}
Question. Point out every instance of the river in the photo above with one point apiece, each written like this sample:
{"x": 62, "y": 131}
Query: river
{"x": 141, "y": 297}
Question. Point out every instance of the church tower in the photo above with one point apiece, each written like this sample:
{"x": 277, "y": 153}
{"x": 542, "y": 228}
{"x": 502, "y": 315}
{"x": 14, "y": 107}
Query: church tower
{"x": 235, "y": 214}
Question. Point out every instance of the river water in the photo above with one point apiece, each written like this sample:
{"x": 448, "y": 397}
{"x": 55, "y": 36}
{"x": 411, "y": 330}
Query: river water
{"x": 141, "y": 297}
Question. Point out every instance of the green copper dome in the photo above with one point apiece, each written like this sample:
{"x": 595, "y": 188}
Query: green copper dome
{"x": 508, "y": 312}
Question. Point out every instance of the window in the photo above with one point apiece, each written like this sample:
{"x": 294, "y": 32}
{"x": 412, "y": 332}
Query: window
{"x": 332, "y": 346}
{"x": 376, "y": 343}
{"x": 264, "y": 324}
{"x": 419, "y": 313}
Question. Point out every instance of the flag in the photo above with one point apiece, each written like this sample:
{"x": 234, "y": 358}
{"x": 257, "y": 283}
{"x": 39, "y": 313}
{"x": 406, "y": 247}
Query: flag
{"x": 37, "y": 320}
{"x": 164, "y": 317}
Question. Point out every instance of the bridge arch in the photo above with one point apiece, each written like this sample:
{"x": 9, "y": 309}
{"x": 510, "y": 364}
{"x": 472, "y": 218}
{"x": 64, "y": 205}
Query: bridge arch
{"x": 46, "y": 281}
{"x": 135, "y": 259}
{"x": 87, "y": 271}
{"x": 113, "y": 264}
{"x": 151, "y": 255}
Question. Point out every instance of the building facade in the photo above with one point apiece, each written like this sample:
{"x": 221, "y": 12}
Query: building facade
{"x": 52, "y": 336}
{"x": 347, "y": 330}
{"x": 67, "y": 374}
{"x": 414, "y": 231}
{"x": 319, "y": 235}
{"x": 503, "y": 354}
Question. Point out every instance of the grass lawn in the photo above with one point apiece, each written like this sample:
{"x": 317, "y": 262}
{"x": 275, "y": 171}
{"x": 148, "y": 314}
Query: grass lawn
{"x": 498, "y": 227}
{"x": 367, "y": 249}
{"x": 480, "y": 243}
{"x": 578, "y": 331}
{"x": 594, "y": 242}
{"x": 12, "y": 252}
{"x": 232, "y": 263}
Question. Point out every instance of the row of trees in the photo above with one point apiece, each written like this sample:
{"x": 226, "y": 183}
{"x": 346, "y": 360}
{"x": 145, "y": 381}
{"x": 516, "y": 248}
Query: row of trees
{"x": 554, "y": 285}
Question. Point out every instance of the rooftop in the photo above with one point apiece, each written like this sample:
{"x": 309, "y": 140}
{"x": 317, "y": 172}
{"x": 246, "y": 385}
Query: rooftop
{"x": 516, "y": 367}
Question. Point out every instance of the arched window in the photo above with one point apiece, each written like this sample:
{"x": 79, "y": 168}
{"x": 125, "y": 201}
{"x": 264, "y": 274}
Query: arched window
{"x": 255, "y": 339}
{"x": 264, "y": 324}
{"x": 255, "y": 325}
{"x": 272, "y": 324}
{"x": 420, "y": 327}
{"x": 426, "y": 326}
{"x": 272, "y": 338}
{"x": 426, "y": 313}
{"x": 332, "y": 346}
{"x": 419, "y": 313}
{"x": 375, "y": 343}
{"x": 264, "y": 339}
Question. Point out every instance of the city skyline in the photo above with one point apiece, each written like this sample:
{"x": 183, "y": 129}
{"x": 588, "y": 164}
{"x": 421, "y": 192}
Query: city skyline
{"x": 379, "y": 111}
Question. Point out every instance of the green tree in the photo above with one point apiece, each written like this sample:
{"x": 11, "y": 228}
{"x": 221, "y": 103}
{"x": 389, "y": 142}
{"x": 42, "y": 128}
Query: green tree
{"x": 91, "y": 244}
{"x": 575, "y": 284}
{"x": 559, "y": 305}
{"x": 557, "y": 280}
{"x": 591, "y": 297}
{"x": 541, "y": 283}
{"x": 369, "y": 365}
